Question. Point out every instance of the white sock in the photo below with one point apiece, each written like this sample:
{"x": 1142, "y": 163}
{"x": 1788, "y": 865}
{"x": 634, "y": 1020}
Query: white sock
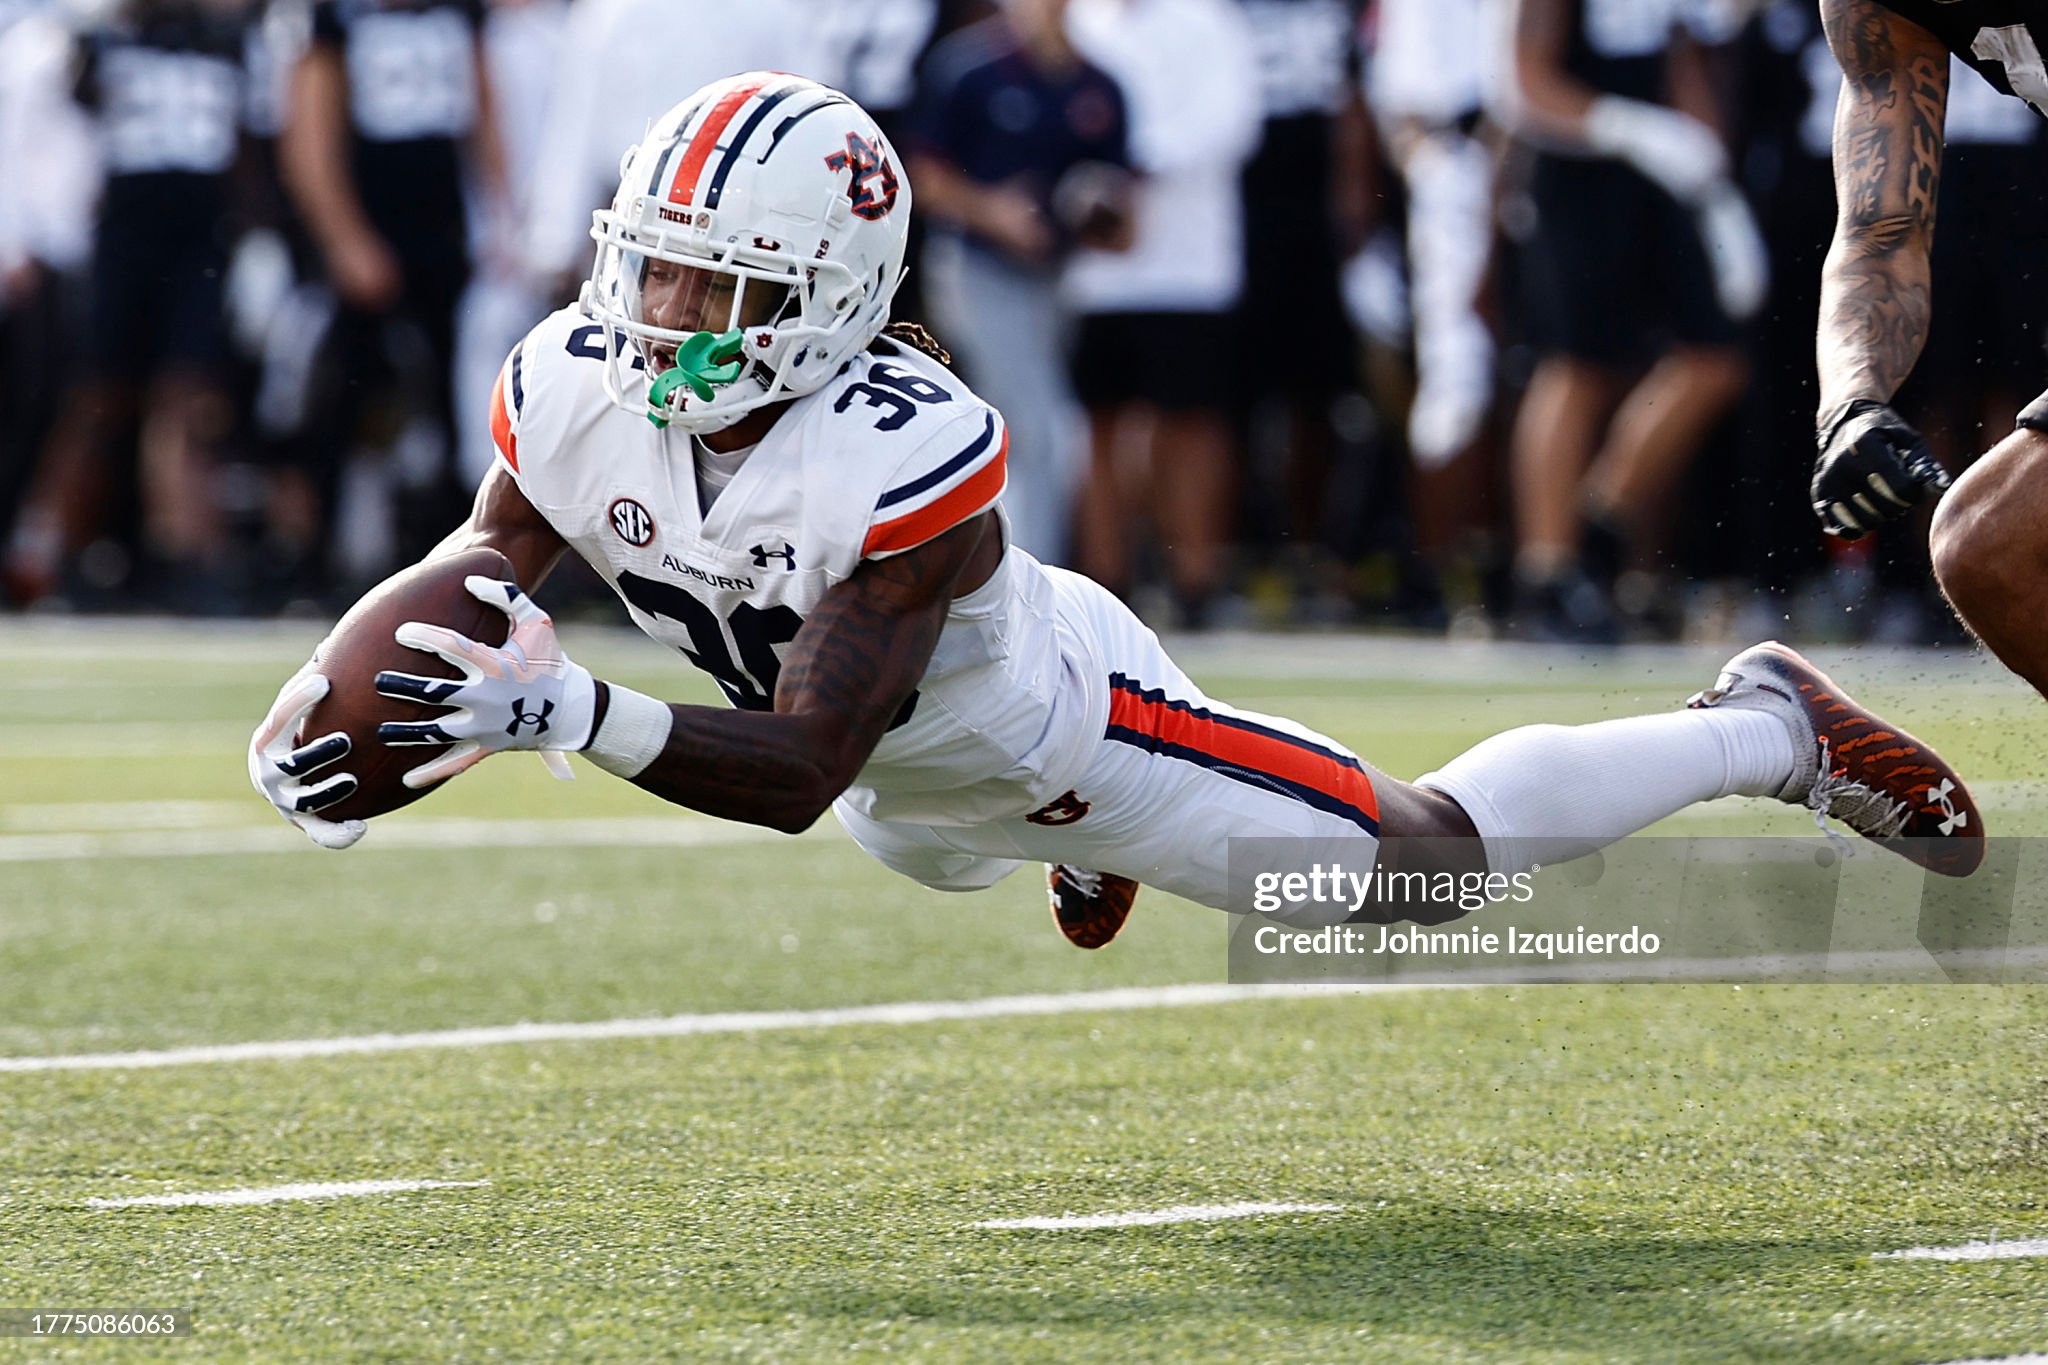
{"x": 1549, "y": 793}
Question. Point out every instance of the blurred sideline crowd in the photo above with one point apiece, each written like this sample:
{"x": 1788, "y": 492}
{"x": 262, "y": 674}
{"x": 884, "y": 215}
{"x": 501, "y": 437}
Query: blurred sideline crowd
{"x": 1301, "y": 311}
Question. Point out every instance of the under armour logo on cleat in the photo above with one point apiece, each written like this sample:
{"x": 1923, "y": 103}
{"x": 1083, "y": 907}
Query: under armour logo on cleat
{"x": 1952, "y": 819}
{"x": 537, "y": 719}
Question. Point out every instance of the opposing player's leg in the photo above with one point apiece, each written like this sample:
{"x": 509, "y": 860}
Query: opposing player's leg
{"x": 1990, "y": 547}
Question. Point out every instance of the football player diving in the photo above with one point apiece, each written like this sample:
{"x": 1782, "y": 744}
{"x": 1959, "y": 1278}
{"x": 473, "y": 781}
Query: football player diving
{"x": 805, "y": 501}
{"x": 1989, "y": 539}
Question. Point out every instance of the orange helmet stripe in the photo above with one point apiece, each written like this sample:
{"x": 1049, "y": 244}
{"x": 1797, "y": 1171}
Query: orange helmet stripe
{"x": 684, "y": 186}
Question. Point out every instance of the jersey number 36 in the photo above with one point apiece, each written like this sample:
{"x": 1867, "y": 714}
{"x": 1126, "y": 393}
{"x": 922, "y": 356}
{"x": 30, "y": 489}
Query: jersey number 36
{"x": 749, "y": 681}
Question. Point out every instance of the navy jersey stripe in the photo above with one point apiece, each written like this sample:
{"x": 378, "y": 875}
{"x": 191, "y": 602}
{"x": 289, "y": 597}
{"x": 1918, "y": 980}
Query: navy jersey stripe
{"x": 1157, "y": 696}
{"x": 944, "y": 471}
{"x": 518, "y": 385}
{"x": 1250, "y": 777}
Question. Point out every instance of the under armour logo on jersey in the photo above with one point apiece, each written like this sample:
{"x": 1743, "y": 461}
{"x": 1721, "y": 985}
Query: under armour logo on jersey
{"x": 762, "y": 554}
{"x": 873, "y": 190}
{"x": 537, "y": 719}
{"x": 633, "y": 523}
{"x": 1952, "y": 819}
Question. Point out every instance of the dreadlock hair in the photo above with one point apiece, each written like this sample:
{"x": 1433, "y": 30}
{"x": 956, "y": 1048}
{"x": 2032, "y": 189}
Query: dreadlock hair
{"x": 914, "y": 335}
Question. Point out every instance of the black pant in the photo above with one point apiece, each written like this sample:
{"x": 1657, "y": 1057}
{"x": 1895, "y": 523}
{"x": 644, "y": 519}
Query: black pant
{"x": 377, "y": 372}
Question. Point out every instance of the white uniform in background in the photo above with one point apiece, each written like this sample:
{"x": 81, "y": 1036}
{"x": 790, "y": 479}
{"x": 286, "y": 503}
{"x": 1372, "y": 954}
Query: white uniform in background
{"x": 867, "y": 48}
{"x": 1190, "y": 77}
{"x": 621, "y": 68}
{"x": 1428, "y": 73}
{"x": 1049, "y": 724}
{"x": 50, "y": 156}
{"x": 522, "y": 42}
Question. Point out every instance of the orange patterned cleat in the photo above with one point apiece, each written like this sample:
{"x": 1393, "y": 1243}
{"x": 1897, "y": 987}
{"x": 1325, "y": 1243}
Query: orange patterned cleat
{"x": 1090, "y": 907}
{"x": 1854, "y": 765}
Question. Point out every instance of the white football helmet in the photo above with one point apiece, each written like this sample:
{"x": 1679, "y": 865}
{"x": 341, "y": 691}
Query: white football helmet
{"x": 753, "y": 248}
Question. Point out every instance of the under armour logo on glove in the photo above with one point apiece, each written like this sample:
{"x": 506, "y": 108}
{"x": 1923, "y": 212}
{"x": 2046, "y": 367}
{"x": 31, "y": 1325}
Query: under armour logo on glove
{"x": 551, "y": 700}
{"x": 537, "y": 719}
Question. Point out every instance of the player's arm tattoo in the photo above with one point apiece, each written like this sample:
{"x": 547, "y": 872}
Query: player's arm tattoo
{"x": 1875, "y": 288}
{"x": 857, "y": 659}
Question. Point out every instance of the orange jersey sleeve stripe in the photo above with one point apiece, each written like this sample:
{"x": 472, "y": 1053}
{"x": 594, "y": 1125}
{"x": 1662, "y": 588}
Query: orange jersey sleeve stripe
{"x": 1225, "y": 742}
{"x": 501, "y": 425}
{"x": 684, "y": 186}
{"x": 943, "y": 513}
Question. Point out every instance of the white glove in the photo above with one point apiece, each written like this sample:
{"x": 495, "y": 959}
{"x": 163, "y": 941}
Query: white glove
{"x": 525, "y": 695}
{"x": 1735, "y": 249}
{"x": 1676, "y": 150}
{"x": 278, "y": 763}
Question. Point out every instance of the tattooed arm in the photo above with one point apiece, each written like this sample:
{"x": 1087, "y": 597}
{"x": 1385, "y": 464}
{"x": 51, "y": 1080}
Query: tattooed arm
{"x": 847, "y": 674}
{"x": 1875, "y": 297}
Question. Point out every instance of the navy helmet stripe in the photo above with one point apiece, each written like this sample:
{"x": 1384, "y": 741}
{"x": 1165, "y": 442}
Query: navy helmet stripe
{"x": 681, "y": 140}
{"x": 782, "y": 129}
{"x": 732, "y": 151}
{"x": 943, "y": 472}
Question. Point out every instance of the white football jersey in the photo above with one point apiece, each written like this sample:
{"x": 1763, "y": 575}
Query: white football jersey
{"x": 889, "y": 454}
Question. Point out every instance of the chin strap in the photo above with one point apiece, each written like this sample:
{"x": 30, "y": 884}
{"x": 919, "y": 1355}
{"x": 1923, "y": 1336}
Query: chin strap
{"x": 704, "y": 359}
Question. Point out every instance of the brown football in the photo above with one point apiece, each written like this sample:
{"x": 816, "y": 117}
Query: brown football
{"x": 361, "y": 646}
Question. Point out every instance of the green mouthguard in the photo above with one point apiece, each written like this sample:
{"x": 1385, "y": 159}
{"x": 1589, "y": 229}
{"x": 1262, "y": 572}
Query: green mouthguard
{"x": 704, "y": 359}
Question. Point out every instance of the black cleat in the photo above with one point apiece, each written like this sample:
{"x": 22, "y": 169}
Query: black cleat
{"x": 1090, "y": 907}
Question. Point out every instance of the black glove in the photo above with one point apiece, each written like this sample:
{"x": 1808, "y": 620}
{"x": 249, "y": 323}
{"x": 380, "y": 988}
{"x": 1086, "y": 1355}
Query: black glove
{"x": 1872, "y": 468}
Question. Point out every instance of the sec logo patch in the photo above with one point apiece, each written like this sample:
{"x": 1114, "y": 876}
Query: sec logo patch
{"x": 633, "y": 522}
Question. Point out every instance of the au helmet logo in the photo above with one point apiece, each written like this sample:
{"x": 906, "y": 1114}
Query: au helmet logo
{"x": 633, "y": 523}
{"x": 873, "y": 190}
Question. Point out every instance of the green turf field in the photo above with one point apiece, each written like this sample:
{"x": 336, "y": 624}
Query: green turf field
{"x": 1538, "y": 1173}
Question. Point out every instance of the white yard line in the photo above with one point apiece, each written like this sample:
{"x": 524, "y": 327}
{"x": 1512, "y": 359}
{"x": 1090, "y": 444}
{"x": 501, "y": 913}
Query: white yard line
{"x": 1145, "y": 1218}
{"x": 2031, "y": 1358}
{"x": 82, "y": 816}
{"x": 1993, "y": 1250}
{"x": 279, "y": 1194}
{"x": 629, "y": 832}
{"x": 87, "y": 739}
{"x": 688, "y": 1025}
